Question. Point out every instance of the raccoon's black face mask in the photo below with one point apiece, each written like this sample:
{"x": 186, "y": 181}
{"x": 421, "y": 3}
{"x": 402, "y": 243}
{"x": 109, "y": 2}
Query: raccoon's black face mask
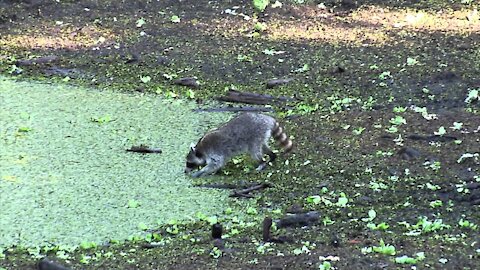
{"x": 195, "y": 159}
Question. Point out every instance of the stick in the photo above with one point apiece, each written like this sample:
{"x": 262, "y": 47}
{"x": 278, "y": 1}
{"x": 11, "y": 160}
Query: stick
{"x": 244, "y": 192}
{"x": 235, "y": 109}
{"x": 144, "y": 149}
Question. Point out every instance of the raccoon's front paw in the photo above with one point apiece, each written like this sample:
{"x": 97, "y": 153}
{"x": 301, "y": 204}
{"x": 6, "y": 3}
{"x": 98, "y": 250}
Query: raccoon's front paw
{"x": 197, "y": 174}
{"x": 261, "y": 167}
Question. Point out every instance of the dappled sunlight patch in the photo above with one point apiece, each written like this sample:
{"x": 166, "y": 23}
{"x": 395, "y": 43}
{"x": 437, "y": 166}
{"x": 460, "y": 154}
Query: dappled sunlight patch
{"x": 370, "y": 25}
{"x": 463, "y": 21}
{"x": 59, "y": 36}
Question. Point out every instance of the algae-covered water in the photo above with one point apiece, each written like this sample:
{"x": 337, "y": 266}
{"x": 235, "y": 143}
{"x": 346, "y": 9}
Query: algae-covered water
{"x": 65, "y": 176}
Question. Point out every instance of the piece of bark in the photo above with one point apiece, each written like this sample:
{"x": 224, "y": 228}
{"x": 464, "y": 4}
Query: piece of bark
{"x": 245, "y": 192}
{"x": 37, "y": 61}
{"x": 252, "y": 98}
{"x": 46, "y": 264}
{"x": 277, "y": 82}
{"x": 408, "y": 153}
{"x": 235, "y": 109}
{"x": 187, "y": 81}
{"x": 296, "y": 220}
{"x": 266, "y": 226}
{"x": 153, "y": 245}
{"x": 431, "y": 138}
{"x": 217, "y": 231}
{"x": 144, "y": 149}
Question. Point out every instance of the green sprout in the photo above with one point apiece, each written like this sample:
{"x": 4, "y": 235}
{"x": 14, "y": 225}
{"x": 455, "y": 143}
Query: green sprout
{"x": 441, "y": 131}
{"x": 472, "y": 96}
{"x": 325, "y": 266}
{"x": 436, "y": 203}
{"x": 358, "y": 131}
{"x": 467, "y": 224}
{"x": 384, "y": 249}
{"x": 457, "y": 125}
{"x": 260, "y": 5}
{"x": 398, "y": 120}
{"x": 140, "y": 22}
{"x": 409, "y": 260}
{"x": 145, "y": 79}
{"x": 175, "y": 19}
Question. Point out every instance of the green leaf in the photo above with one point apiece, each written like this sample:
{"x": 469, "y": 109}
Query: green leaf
{"x": 133, "y": 204}
{"x": 175, "y": 19}
{"x": 260, "y": 5}
{"x": 140, "y": 22}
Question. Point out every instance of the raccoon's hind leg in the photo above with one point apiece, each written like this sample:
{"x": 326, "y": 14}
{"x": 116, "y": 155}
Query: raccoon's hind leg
{"x": 259, "y": 157}
{"x": 213, "y": 165}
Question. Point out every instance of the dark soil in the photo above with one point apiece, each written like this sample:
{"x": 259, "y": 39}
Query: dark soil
{"x": 358, "y": 61}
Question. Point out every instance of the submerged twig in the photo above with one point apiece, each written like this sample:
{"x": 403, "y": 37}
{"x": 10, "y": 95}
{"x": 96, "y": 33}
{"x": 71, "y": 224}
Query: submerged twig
{"x": 144, "y": 149}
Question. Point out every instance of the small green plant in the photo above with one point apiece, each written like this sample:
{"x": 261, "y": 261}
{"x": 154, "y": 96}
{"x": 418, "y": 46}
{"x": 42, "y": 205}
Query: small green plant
{"x": 381, "y": 226}
{"x": 436, "y": 203}
{"x": 175, "y": 19}
{"x": 252, "y": 211}
{"x": 457, "y": 126}
{"x": 260, "y": 5}
{"x": 145, "y": 79}
{"x": 342, "y": 200}
{"x": 399, "y": 109}
{"x": 472, "y": 96}
{"x": 384, "y": 249}
{"x": 398, "y": 120}
{"x": 302, "y": 69}
{"x": 425, "y": 226}
{"x": 244, "y": 58}
{"x": 305, "y": 249}
{"x": 435, "y": 165}
{"x": 468, "y": 155}
{"x": 216, "y": 253}
{"x": 467, "y": 224}
{"x": 441, "y": 131}
{"x": 327, "y": 221}
{"x": 140, "y": 22}
{"x": 87, "y": 245}
{"x": 260, "y": 27}
{"x": 358, "y": 131}
{"x": 326, "y": 265}
{"x": 411, "y": 61}
{"x": 409, "y": 260}
{"x": 190, "y": 94}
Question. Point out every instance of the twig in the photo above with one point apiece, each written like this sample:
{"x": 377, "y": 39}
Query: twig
{"x": 235, "y": 109}
{"x": 244, "y": 192}
{"x": 252, "y": 98}
{"x": 144, "y": 149}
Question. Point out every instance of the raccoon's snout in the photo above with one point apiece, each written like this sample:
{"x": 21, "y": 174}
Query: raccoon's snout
{"x": 190, "y": 167}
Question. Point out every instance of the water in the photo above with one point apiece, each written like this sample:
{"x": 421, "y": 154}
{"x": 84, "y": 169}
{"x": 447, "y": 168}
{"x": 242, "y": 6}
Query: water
{"x": 65, "y": 176}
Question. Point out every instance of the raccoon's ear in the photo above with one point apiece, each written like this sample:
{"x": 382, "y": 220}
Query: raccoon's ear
{"x": 192, "y": 147}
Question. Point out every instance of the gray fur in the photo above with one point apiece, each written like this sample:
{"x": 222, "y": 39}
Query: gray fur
{"x": 246, "y": 133}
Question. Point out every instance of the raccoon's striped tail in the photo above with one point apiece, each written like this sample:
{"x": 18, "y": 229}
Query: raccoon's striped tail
{"x": 281, "y": 137}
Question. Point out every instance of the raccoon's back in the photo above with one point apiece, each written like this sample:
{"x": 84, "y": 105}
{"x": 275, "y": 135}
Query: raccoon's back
{"x": 239, "y": 134}
{"x": 248, "y": 126}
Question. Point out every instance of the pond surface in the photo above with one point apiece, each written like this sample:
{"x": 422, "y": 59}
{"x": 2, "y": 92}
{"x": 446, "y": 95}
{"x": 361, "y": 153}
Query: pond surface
{"x": 65, "y": 176}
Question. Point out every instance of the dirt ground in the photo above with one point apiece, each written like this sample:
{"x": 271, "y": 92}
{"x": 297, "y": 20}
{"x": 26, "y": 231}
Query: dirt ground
{"x": 374, "y": 83}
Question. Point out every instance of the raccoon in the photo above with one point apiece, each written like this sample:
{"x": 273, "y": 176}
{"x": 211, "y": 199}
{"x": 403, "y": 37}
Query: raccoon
{"x": 248, "y": 132}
